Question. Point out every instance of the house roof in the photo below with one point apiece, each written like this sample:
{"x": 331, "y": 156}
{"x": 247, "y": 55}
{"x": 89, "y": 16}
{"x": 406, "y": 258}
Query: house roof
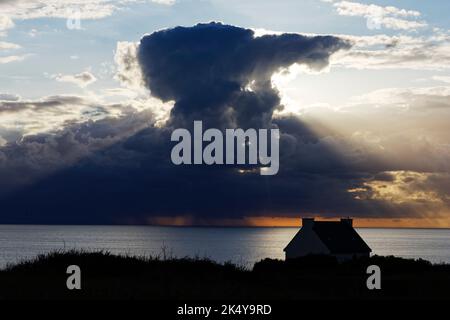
{"x": 340, "y": 237}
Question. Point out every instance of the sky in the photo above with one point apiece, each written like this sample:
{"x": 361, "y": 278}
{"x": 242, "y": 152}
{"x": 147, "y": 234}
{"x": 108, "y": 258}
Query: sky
{"x": 90, "y": 91}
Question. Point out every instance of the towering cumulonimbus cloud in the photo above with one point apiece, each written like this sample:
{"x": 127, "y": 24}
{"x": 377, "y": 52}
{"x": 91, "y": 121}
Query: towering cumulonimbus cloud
{"x": 119, "y": 170}
{"x": 216, "y": 73}
{"x": 221, "y": 73}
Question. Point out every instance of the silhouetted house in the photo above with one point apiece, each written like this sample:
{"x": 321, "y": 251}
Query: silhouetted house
{"x": 336, "y": 238}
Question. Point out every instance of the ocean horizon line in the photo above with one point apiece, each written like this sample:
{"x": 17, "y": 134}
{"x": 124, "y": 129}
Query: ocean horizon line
{"x": 205, "y": 226}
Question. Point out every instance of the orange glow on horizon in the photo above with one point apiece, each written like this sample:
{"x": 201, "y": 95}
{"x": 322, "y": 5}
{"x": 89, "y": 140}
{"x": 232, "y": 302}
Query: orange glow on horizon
{"x": 357, "y": 222}
{"x": 296, "y": 222}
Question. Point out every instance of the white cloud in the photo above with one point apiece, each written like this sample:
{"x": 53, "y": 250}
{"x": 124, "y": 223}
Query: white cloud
{"x": 5, "y": 24}
{"x": 128, "y": 68}
{"x": 84, "y": 9}
{"x": 393, "y": 52}
{"x": 8, "y": 46}
{"x": 82, "y": 79}
{"x": 9, "y": 59}
{"x": 349, "y": 8}
{"x": 420, "y": 98}
{"x": 378, "y": 16}
{"x": 445, "y": 79}
{"x": 165, "y": 2}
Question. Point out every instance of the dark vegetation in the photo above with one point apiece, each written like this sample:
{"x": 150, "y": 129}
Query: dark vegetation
{"x": 108, "y": 276}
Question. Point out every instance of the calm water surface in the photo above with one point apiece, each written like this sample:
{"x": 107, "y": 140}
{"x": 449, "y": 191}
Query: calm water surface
{"x": 243, "y": 246}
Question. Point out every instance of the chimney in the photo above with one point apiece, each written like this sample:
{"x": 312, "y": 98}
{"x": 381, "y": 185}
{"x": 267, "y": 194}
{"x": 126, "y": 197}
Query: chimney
{"x": 307, "y": 223}
{"x": 348, "y": 221}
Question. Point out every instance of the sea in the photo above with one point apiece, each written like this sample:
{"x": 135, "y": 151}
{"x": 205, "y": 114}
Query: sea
{"x": 242, "y": 246}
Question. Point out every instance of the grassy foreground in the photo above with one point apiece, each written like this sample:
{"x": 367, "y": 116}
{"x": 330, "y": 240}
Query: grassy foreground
{"x": 108, "y": 276}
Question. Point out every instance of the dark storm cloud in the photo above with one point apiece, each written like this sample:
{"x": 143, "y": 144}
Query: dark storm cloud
{"x": 32, "y": 157}
{"x": 119, "y": 170}
{"x": 133, "y": 179}
{"x": 14, "y": 105}
{"x": 206, "y": 68}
